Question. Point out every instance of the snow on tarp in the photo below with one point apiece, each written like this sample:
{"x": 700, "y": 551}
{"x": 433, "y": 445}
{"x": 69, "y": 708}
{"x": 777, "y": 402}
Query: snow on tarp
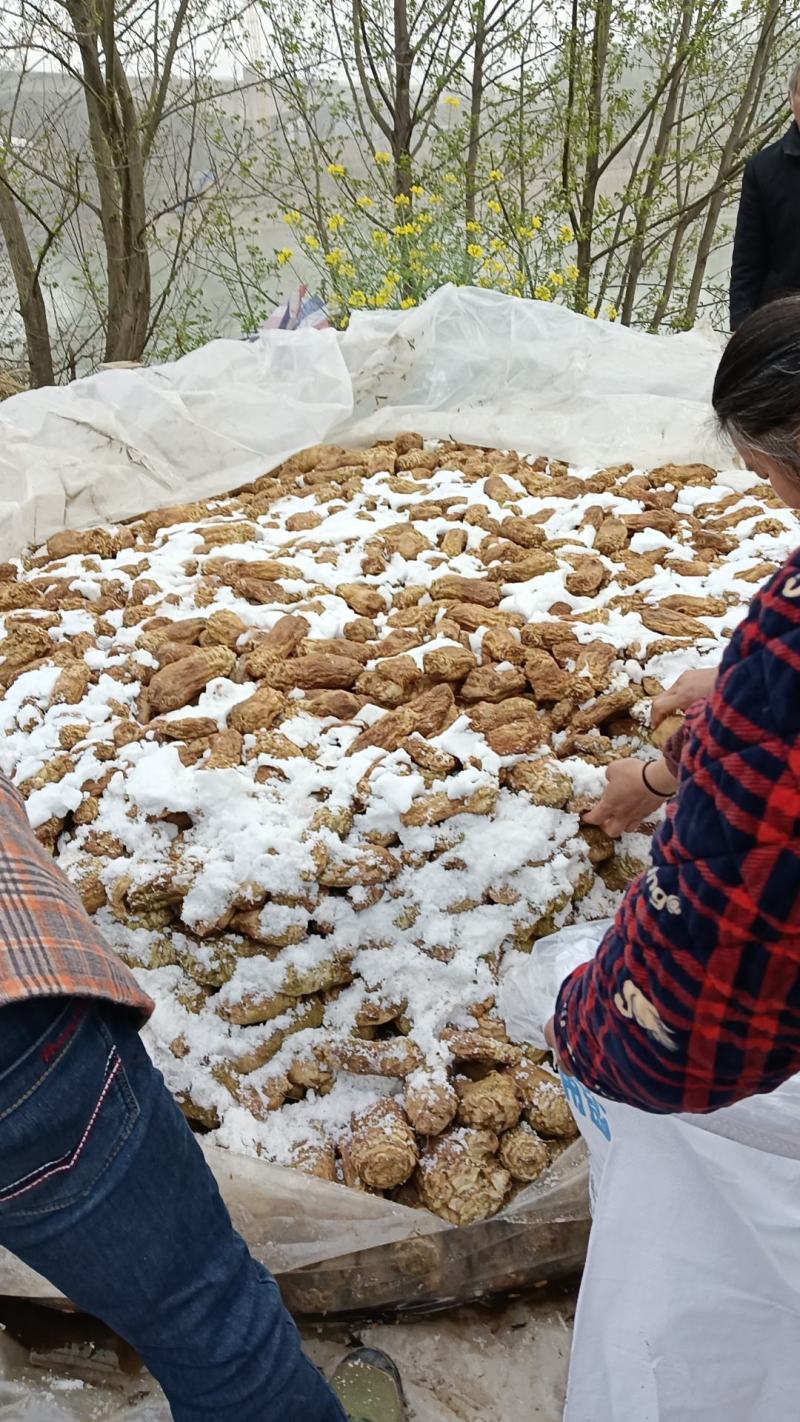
{"x": 470, "y": 365}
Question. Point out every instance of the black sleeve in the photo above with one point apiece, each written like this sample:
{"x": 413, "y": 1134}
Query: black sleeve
{"x": 749, "y": 264}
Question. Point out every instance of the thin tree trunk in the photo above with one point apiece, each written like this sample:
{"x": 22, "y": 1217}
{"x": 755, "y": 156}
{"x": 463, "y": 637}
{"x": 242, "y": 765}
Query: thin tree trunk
{"x": 594, "y": 120}
{"x": 670, "y": 274}
{"x": 656, "y": 166}
{"x": 566, "y": 151}
{"x": 131, "y": 320}
{"x": 29, "y": 291}
{"x": 476, "y": 105}
{"x": 118, "y": 163}
{"x": 742, "y": 122}
{"x": 402, "y": 125}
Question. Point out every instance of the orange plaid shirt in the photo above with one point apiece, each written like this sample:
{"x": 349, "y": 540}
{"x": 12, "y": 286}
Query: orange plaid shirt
{"x": 48, "y": 944}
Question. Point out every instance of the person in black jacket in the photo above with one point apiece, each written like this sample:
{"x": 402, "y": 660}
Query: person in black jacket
{"x": 766, "y": 248}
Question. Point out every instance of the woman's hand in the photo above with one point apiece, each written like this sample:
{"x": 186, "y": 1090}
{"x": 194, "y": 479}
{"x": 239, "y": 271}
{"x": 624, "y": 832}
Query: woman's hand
{"x": 690, "y": 687}
{"x": 550, "y": 1038}
{"x": 626, "y": 800}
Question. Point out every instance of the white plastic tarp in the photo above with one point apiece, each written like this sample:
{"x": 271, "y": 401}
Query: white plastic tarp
{"x": 469, "y": 364}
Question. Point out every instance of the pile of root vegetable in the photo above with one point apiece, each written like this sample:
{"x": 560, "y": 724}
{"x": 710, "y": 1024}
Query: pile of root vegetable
{"x": 315, "y": 754}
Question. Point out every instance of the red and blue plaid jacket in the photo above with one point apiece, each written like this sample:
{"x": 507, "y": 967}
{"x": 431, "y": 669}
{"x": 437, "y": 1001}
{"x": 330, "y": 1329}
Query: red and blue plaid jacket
{"x": 693, "y": 999}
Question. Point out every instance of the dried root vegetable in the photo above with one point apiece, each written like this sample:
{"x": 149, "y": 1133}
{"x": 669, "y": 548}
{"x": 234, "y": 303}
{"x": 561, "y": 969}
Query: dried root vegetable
{"x": 492, "y": 1103}
{"x": 382, "y": 1146}
{"x": 395, "y": 1058}
{"x": 460, "y": 1178}
{"x": 430, "y": 1102}
{"x": 256, "y": 680}
{"x": 311, "y": 1074}
{"x": 262, "y": 1098}
{"x": 252, "y": 1008}
{"x": 523, "y": 1153}
{"x": 178, "y": 684}
{"x": 545, "y": 1106}
{"x": 316, "y": 1159}
{"x": 469, "y": 1045}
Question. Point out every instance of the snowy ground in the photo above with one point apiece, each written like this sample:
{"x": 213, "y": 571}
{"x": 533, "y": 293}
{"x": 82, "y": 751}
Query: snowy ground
{"x": 475, "y": 1365}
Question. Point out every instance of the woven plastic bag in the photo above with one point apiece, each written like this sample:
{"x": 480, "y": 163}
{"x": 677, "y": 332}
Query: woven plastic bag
{"x": 690, "y": 1301}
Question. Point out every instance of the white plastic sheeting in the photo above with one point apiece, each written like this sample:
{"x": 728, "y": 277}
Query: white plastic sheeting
{"x": 468, "y": 364}
{"x": 289, "y": 1220}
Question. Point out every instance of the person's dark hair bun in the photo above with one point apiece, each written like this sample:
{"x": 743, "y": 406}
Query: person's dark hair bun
{"x": 757, "y": 386}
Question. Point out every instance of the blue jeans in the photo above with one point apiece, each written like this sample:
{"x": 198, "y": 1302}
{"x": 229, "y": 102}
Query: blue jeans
{"x": 105, "y": 1191}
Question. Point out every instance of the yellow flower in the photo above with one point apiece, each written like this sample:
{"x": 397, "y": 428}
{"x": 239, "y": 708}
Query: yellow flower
{"x": 498, "y": 245}
{"x": 475, "y": 251}
{"x": 334, "y": 257}
{"x": 364, "y": 200}
{"x": 284, "y": 255}
{"x": 382, "y": 156}
{"x": 450, "y": 178}
{"x": 453, "y": 101}
{"x": 494, "y": 206}
{"x": 293, "y": 218}
{"x": 591, "y": 312}
{"x": 382, "y": 299}
{"x": 405, "y": 229}
{"x": 556, "y": 279}
{"x": 565, "y": 232}
{"x": 347, "y": 270}
{"x": 571, "y": 272}
{"x": 393, "y": 278}
{"x": 543, "y": 293}
{"x": 336, "y": 222}
{"x": 402, "y": 200}
{"x": 424, "y": 219}
{"x": 312, "y": 243}
{"x": 407, "y": 302}
{"x": 473, "y": 226}
{"x": 417, "y": 190}
{"x": 337, "y": 170}
{"x": 436, "y": 248}
{"x": 435, "y": 199}
{"x": 613, "y": 311}
{"x": 528, "y": 233}
{"x": 358, "y": 298}
{"x": 517, "y": 291}
{"x": 495, "y": 176}
{"x": 380, "y": 238}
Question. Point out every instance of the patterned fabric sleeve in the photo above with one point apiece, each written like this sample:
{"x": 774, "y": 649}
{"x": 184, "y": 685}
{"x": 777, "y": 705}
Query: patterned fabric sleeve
{"x": 673, "y": 750}
{"x": 48, "y": 944}
{"x": 693, "y": 999}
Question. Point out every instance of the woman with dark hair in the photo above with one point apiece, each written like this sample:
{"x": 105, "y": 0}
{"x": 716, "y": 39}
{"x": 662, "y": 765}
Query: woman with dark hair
{"x": 693, "y": 999}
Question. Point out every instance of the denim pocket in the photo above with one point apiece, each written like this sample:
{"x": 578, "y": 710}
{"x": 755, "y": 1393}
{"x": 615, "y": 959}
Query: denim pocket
{"x": 66, "y": 1110}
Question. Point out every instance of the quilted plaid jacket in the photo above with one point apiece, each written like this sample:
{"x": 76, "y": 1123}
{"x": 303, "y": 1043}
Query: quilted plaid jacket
{"x": 48, "y": 944}
{"x": 693, "y": 999}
